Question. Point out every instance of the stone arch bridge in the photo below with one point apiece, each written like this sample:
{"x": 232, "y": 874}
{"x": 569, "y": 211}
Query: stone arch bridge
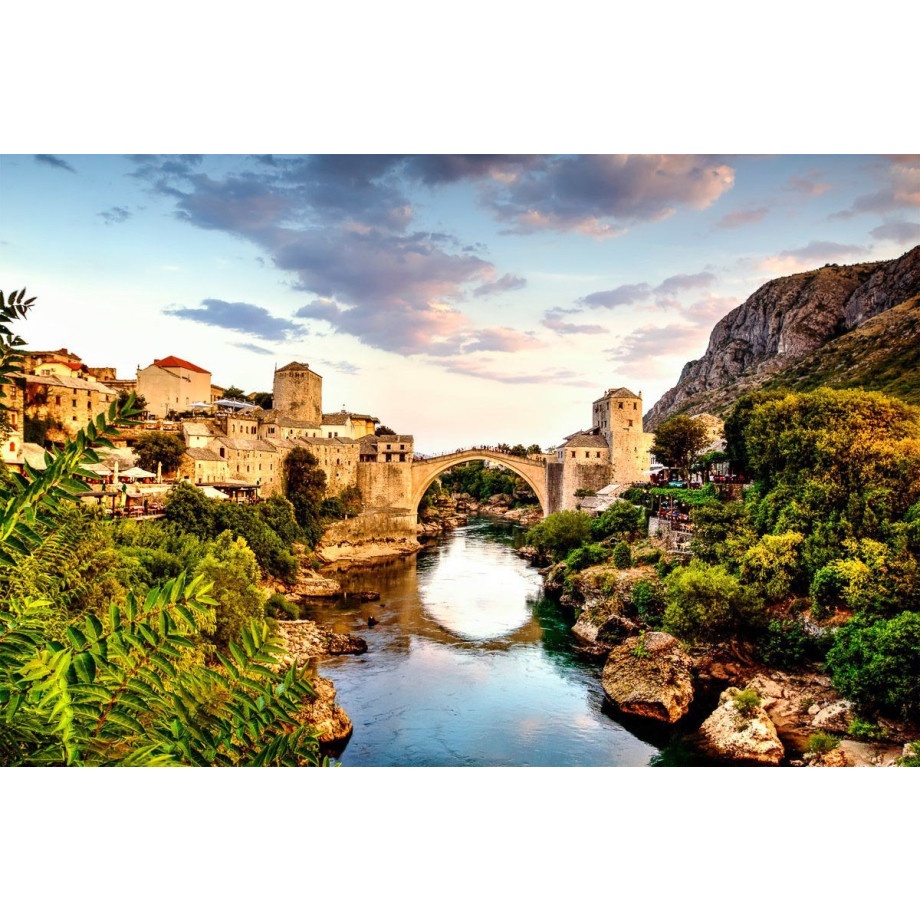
{"x": 425, "y": 471}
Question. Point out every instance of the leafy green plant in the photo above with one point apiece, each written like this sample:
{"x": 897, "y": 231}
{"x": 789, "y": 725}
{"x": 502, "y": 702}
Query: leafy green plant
{"x": 866, "y": 731}
{"x": 280, "y": 608}
{"x": 746, "y": 703}
{"x": 822, "y": 743}
{"x": 622, "y": 557}
{"x": 640, "y": 651}
{"x": 783, "y": 644}
{"x": 588, "y": 555}
{"x": 912, "y": 758}
{"x": 648, "y": 599}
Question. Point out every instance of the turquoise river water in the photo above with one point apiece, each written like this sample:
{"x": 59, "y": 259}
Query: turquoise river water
{"x": 471, "y": 665}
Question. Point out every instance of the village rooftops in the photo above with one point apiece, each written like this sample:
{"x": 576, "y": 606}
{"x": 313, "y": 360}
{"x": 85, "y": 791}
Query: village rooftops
{"x": 202, "y": 453}
{"x": 172, "y": 361}
{"x": 387, "y": 438}
{"x": 70, "y": 383}
{"x": 341, "y": 418}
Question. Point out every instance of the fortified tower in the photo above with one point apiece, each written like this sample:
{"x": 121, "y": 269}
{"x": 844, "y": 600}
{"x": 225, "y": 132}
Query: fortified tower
{"x": 617, "y": 417}
{"x": 298, "y": 392}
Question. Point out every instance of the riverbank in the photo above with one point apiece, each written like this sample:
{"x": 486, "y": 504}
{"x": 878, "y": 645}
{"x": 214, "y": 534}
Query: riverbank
{"x": 723, "y": 700}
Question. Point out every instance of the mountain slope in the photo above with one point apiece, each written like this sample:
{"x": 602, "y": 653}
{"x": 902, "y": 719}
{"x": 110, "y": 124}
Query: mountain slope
{"x": 787, "y": 321}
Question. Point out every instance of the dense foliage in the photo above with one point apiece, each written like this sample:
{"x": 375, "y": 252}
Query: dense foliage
{"x": 678, "y": 440}
{"x": 305, "y": 487}
{"x": 155, "y": 447}
{"x": 93, "y": 671}
{"x": 474, "y": 479}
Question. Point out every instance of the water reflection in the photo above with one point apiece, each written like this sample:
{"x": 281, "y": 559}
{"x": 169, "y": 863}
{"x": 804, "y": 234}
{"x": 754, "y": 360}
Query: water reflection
{"x": 469, "y": 665}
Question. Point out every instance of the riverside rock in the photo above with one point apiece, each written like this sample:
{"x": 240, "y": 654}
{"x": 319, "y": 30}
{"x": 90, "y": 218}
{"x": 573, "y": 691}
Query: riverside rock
{"x": 751, "y": 738}
{"x": 331, "y": 722}
{"x": 303, "y": 640}
{"x": 649, "y": 676}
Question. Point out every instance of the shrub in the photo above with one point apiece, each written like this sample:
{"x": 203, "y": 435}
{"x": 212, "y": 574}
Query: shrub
{"x": 705, "y": 602}
{"x": 822, "y": 743}
{"x": 560, "y": 533}
{"x": 280, "y": 608}
{"x": 773, "y": 565}
{"x": 621, "y": 519}
{"x": 746, "y": 703}
{"x": 784, "y": 644}
{"x": 648, "y": 599}
{"x": 826, "y": 588}
{"x": 156, "y": 447}
{"x": 912, "y": 757}
{"x": 232, "y": 568}
{"x": 877, "y": 663}
{"x": 588, "y": 555}
{"x": 640, "y": 651}
{"x": 866, "y": 731}
{"x": 622, "y": 557}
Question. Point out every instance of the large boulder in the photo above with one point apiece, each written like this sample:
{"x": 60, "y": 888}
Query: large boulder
{"x": 835, "y": 717}
{"x": 741, "y": 735}
{"x": 649, "y": 676}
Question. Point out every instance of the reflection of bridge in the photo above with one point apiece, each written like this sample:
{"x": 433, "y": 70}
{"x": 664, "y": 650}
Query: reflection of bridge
{"x": 424, "y": 472}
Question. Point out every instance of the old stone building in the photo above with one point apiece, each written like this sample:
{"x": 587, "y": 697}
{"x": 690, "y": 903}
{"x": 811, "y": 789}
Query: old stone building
{"x": 390, "y": 448}
{"x": 12, "y": 418}
{"x": 347, "y": 424}
{"x": 298, "y": 392}
{"x": 70, "y": 401}
{"x": 173, "y": 384}
{"x": 615, "y": 450}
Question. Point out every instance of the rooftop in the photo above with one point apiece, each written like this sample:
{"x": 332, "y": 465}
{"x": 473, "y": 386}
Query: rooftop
{"x": 297, "y": 366}
{"x": 173, "y": 361}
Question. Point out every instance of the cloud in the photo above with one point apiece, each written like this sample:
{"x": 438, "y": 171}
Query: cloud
{"x": 255, "y": 349}
{"x": 343, "y": 367}
{"x": 48, "y": 160}
{"x": 553, "y": 320}
{"x": 627, "y": 294}
{"x": 806, "y": 185}
{"x": 639, "y": 351}
{"x": 742, "y": 218}
{"x": 115, "y": 215}
{"x": 900, "y": 191}
{"x": 901, "y": 231}
{"x": 484, "y": 371}
{"x": 814, "y": 255}
{"x": 603, "y": 196}
{"x": 620, "y": 296}
{"x": 240, "y": 317}
{"x": 500, "y": 285}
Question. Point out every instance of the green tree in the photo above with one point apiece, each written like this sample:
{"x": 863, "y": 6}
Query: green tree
{"x": 233, "y": 393}
{"x": 678, "y": 440}
{"x": 233, "y": 573}
{"x": 774, "y": 565}
{"x": 263, "y": 400}
{"x": 707, "y": 603}
{"x": 878, "y": 663}
{"x": 560, "y": 533}
{"x": 305, "y": 487}
{"x": 155, "y": 447}
{"x": 139, "y": 402}
{"x": 622, "y": 557}
{"x": 621, "y": 519}
{"x": 188, "y": 508}
{"x": 383, "y": 429}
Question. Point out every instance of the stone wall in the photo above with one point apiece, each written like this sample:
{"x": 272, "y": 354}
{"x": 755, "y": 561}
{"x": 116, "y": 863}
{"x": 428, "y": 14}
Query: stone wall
{"x": 394, "y": 523}
{"x": 385, "y": 485}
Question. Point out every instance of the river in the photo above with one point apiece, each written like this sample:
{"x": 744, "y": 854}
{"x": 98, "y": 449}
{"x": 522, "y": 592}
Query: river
{"x": 470, "y": 664}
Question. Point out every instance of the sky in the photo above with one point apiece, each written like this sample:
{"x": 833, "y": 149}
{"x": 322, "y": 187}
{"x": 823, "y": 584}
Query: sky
{"x": 463, "y": 299}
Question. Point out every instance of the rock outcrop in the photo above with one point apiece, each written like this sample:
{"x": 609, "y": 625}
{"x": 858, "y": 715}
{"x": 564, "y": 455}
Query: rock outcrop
{"x": 303, "y": 640}
{"x": 649, "y": 676}
{"x": 331, "y": 722}
{"x": 784, "y": 321}
{"x": 741, "y": 736}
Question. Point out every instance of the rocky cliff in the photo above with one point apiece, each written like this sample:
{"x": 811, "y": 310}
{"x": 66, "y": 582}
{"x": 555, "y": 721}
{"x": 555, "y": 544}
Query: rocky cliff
{"x": 787, "y": 321}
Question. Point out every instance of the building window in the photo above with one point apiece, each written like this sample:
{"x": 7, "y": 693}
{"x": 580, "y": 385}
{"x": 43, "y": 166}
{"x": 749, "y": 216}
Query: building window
{"x": 621, "y": 405}
{"x": 74, "y": 402}
{"x": 630, "y": 423}
{"x": 635, "y": 405}
{"x": 573, "y": 453}
{"x": 57, "y": 400}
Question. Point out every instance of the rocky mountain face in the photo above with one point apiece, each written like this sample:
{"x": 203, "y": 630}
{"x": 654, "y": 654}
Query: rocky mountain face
{"x": 787, "y": 321}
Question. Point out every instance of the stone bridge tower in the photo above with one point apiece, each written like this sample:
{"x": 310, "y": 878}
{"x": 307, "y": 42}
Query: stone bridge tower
{"x": 298, "y": 392}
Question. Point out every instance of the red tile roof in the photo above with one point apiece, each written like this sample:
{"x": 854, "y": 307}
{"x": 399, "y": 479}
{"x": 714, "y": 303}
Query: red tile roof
{"x": 173, "y": 361}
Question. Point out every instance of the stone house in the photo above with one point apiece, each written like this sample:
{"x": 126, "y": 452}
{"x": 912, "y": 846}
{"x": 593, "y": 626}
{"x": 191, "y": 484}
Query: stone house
{"x": 346, "y": 424}
{"x": 70, "y": 401}
{"x": 390, "y": 448}
{"x": 173, "y": 384}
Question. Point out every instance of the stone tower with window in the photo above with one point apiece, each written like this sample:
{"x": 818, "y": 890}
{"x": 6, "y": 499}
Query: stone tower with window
{"x": 298, "y": 392}
{"x": 617, "y": 417}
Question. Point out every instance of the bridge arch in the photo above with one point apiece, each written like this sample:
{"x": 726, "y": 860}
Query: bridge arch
{"x": 424, "y": 472}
